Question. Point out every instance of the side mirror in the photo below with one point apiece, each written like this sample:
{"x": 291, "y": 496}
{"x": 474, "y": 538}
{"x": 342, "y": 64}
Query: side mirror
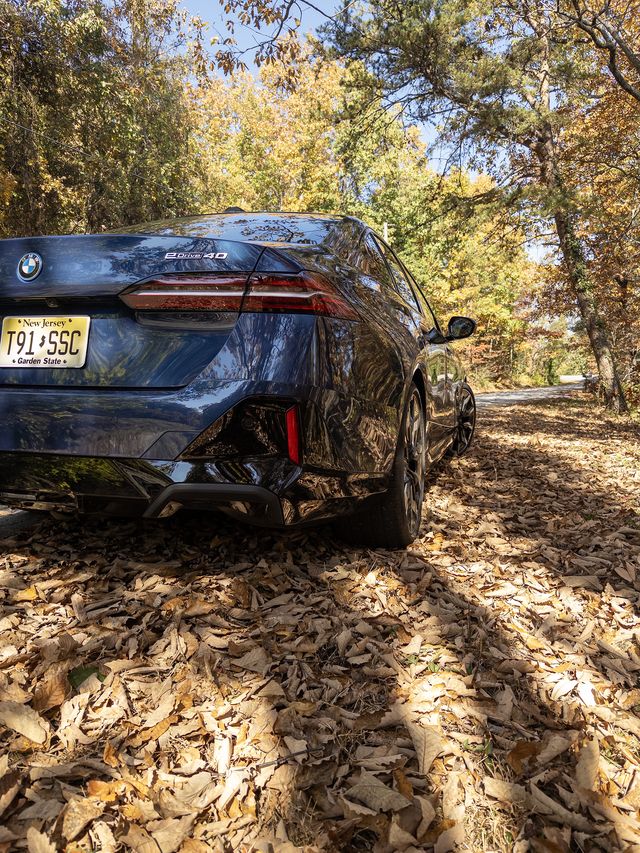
{"x": 460, "y": 327}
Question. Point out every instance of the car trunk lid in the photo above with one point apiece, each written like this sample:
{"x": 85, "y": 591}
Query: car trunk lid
{"x": 84, "y": 276}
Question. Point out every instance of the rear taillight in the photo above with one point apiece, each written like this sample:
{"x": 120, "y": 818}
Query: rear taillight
{"x": 305, "y": 293}
{"x": 188, "y": 293}
{"x": 302, "y": 293}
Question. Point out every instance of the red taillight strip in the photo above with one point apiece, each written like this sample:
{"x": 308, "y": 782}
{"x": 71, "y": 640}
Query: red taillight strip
{"x": 294, "y": 448}
{"x": 188, "y": 293}
{"x": 305, "y": 293}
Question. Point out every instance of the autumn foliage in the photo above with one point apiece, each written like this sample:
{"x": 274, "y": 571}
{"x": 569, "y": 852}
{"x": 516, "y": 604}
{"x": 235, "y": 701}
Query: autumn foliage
{"x": 115, "y": 113}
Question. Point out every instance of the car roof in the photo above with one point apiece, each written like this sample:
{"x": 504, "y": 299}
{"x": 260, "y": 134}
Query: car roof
{"x": 279, "y": 228}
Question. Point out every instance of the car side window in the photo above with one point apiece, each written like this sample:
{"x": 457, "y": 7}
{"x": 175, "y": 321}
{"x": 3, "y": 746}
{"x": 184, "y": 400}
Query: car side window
{"x": 403, "y": 286}
{"x": 427, "y": 310}
{"x": 371, "y": 262}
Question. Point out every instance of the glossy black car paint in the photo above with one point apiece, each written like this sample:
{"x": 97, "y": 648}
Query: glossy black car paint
{"x": 168, "y": 411}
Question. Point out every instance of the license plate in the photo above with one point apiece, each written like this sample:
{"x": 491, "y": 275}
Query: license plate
{"x": 44, "y": 341}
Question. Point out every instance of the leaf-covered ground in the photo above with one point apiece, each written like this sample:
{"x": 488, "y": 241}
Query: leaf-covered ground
{"x": 193, "y": 685}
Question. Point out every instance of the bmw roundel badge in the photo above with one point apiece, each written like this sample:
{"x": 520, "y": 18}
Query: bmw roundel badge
{"x": 30, "y": 266}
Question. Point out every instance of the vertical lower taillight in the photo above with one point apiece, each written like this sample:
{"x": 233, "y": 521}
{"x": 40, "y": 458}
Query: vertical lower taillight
{"x": 300, "y": 293}
{"x": 292, "y": 420}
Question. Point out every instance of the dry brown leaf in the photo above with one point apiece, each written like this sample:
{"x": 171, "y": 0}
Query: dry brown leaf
{"x": 256, "y": 660}
{"x": 9, "y": 784}
{"x": 587, "y": 766}
{"x": 563, "y": 688}
{"x": 628, "y": 722}
{"x": 104, "y": 839}
{"x": 402, "y": 637}
{"x": 192, "y": 845}
{"x": 540, "y": 802}
{"x": 553, "y": 746}
{"x": 38, "y": 842}
{"x": 42, "y": 810}
{"x": 506, "y": 792}
{"x": 402, "y": 783}
{"x": 51, "y": 692}
{"x": 24, "y": 720}
{"x": 376, "y": 795}
{"x": 164, "y": 710}
{"x": 297, "y": 747}
{"x": 399, "y": 839}
{"x": 428, "y": 744}
{"x": 353, "y": 810}
{"x": 106, "y": 792}
{"x": 110, "y": 755}
{"x": 78, "y": 814}
{"x": 522, "y": 752}
{"x": 29, "y": 594}
{"x": 171, "y": 833}
{"x": 450, "y": 839}
{"x": 428, "y": 813}
{"x": 139, "y": 840}
{"x": 451, "y": 798}
{"x": 627, "y": 828}
{"x": 155, "y": 732}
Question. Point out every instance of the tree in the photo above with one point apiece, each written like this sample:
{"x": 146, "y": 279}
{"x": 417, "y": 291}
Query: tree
{"x": 503, "y": 75}
{"x": 95, "y": 129}
{"x": 613, "y": 27}
{"x": 264, "y": 149}
{"x": 603, "y": 172}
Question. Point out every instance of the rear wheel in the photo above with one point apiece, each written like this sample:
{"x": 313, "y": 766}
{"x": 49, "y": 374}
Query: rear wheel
{"x": 466, "y": 425}
{"x": 393, "y": 521}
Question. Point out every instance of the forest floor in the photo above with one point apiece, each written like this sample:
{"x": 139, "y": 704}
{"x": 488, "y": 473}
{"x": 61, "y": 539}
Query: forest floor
{"x": 194, "y": 685}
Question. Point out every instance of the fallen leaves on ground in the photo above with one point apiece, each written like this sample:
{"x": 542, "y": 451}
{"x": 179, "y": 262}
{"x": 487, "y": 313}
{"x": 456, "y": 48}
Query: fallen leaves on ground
{"x": 193, "y": 685}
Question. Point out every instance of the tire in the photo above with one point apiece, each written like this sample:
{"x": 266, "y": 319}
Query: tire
{"x": 393, "y": 520}
{"x": 466, "y": 425}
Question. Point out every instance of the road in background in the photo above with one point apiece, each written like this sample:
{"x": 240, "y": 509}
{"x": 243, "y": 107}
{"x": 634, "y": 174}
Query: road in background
{"x": 527, "y": 395}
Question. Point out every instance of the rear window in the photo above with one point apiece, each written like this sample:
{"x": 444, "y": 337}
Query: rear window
{"x": 251, "y": 227}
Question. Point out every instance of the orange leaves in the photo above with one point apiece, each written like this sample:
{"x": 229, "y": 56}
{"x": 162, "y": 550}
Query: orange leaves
{"x": 106, "y": 792}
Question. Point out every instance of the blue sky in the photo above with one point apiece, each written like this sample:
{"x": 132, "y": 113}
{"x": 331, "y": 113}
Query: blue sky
{"x": 212, "y": 11}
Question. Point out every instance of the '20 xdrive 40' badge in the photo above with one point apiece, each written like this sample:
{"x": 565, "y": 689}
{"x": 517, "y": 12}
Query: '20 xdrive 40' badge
{"x": 29, "y": 266}
{"x": 195, "y": 256}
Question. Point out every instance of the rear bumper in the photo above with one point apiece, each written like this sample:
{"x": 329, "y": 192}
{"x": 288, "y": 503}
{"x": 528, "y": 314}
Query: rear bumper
{"x": 266, "y": 492}
{"x": 149, "y": 452}
{"x": 150, "y": 489}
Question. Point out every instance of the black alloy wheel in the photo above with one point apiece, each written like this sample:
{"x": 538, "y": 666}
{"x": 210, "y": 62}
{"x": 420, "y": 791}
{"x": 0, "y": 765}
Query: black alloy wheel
{"x": 466, "y": 425}
{"x": 414, "y": 453}
{"x": 393, "y": 520}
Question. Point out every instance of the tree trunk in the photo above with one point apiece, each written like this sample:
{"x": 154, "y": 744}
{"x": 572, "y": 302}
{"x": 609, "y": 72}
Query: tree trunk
{"x": 579, "y": 281}
{"x": 575, "y": 263}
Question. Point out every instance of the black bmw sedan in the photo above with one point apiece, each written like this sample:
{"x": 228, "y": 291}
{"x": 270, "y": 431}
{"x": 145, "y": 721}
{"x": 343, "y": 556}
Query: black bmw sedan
{"x": 284, "y": 368}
